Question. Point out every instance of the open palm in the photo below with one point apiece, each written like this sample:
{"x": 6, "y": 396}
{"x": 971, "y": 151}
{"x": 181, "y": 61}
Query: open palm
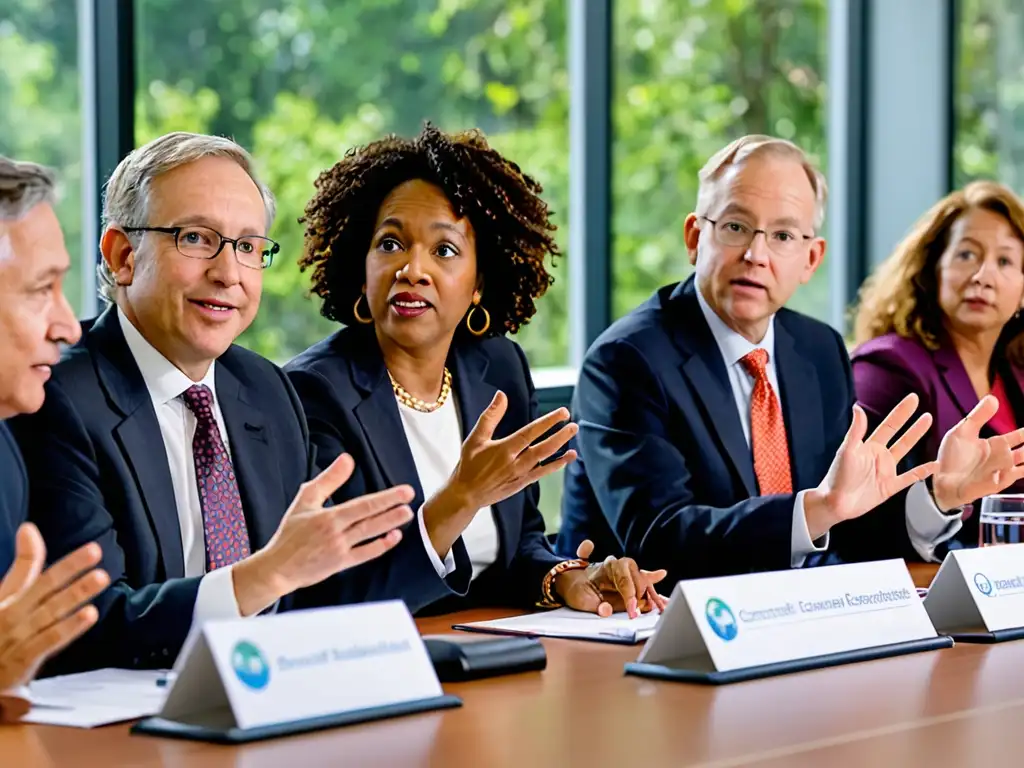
{"x": 864, "y": 472}
{"x": 970, "y": 466}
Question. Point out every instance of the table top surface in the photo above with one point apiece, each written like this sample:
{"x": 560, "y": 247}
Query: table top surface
{"x": 952, "y": 707}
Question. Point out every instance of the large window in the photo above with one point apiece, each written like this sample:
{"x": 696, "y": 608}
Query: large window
{"x": 40, "y": 111}
{"x": 299, "y": 83}
{"x": 689, "y": 78}
{"x": 989, "y": 85}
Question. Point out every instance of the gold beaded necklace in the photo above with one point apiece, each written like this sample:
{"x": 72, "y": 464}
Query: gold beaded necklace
{"x": 411, "y": 401}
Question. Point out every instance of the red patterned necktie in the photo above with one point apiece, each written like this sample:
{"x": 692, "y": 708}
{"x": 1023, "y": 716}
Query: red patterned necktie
{"x": 767, "y": 430}
{"x": 227, "y": 540}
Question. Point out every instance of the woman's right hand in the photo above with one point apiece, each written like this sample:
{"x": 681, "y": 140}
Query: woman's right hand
{"x": 492, "y": 470}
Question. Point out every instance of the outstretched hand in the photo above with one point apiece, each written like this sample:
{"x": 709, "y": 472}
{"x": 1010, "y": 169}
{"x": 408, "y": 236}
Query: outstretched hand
{"x": 41, "y": 612}
{"x": 864, "y": 473}
{"x": 970, "y": 466}
{"x": 492, "y": 470}
{"x": 315, "y": 541}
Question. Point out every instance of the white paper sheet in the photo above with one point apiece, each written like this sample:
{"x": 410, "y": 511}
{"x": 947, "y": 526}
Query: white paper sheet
{"x": 90, "y": 699}
{"x": 565, "y": 622}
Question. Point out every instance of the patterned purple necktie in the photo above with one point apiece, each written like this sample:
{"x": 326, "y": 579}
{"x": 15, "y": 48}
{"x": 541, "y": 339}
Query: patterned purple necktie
{"x": 227, "y": 540}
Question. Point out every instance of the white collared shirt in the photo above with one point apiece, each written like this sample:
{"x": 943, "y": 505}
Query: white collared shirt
{"x": 927, "y": 526}
{"x": 435, "y": 441}
{"x": 166, "y": 383}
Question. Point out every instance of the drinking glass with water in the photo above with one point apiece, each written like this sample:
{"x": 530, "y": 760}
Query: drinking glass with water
{"x": 1001, "y": 520}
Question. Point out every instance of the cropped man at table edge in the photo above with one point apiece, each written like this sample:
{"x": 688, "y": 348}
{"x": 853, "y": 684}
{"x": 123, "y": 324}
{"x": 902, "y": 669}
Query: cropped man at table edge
{"x": 40, "y": 612}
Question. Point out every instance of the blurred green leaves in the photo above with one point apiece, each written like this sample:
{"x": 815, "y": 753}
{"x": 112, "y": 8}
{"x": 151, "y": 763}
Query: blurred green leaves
{"x": 300, "y": 83}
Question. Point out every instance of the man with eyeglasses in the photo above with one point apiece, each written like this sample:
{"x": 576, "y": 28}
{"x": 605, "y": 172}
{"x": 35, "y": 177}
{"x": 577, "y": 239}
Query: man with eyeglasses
{"x": 718, "y": 432}
{"x": 184, "y": 456}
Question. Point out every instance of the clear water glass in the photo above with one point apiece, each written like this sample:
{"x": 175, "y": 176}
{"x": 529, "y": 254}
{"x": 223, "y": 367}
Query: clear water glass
{"x": 1001, "y": 520}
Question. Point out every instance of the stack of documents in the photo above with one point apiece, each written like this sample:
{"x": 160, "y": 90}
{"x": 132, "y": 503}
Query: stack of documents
{"x": 90, "y": 699}
{"x": 565, "y": 622}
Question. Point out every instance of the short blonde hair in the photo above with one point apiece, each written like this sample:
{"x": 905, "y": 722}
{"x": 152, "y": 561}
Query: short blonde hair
{"x": 756, "y": 144}
{"x": 126, "y": 200}
{"x": 902, "y": 295}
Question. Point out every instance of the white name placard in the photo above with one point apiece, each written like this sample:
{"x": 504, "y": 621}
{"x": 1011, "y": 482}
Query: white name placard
{"x": 735, "y": 622}
{"x": 978, "y": 590}
{"x": 268, "y": 670}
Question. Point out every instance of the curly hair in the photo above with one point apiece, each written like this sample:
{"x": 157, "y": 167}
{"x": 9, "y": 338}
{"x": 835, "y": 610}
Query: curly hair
{"x": 902, "y": 295}
{"x": 511, "y": 222}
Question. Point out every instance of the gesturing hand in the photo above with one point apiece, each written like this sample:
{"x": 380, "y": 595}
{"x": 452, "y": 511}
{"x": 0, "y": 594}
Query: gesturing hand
{"x": 314, "y": 542}
{"x": 864, "y": 472}
{"x": 969, "y": 466}
{"x": 42, "y": 612}
{"x": 491, "y": 470}
{"x": 616, "y": 584}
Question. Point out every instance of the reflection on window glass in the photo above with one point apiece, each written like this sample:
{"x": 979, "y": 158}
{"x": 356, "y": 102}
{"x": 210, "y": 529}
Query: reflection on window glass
{"x": 40, "y": 117}
{"x": 299, "y": 83}
{"x": 989, "y": 83}
{"x": 689, "y": 78}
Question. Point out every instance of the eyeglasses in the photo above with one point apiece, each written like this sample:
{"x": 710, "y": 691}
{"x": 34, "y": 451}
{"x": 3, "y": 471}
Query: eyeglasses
{"x": 736, "y": 234}
{"x": 251, "y": 251}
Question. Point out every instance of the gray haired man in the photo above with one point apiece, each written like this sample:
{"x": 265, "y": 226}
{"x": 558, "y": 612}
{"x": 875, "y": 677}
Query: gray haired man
{"x": 185, "y": 456}
{"x": 40, "y": 612}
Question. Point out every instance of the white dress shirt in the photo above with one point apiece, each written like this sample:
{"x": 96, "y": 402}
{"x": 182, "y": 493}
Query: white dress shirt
{"x": 435, "y": 440}
{"x": 216, "y": 596}
{"x": 927, "y": 526}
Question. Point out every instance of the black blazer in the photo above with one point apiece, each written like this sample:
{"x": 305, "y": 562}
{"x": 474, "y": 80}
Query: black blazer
{"x": 666, "y": 475}
{"x": 13, "y": 496}
{"x": 98, "y": 472}
{"x": 344, "y": 387}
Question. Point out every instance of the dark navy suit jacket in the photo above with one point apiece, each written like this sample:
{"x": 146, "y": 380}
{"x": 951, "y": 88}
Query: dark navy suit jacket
{"x": 13, "y": 496}
{"x": 666, "y": 475}
{"x": 890, "y": 367}
{"x": 98, "y": 471}
{"x": 350, "y": 405}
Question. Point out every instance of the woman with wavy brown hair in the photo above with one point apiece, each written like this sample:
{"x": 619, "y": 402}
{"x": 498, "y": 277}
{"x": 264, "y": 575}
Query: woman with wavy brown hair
{"x": 430, "y": 251}
{"x": 941, "y": 318}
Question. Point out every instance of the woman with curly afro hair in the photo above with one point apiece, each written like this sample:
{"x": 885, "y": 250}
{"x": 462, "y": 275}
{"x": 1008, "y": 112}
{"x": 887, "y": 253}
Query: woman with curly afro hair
{"x": 941, "y": 318}
{"x": 429, "y": 251}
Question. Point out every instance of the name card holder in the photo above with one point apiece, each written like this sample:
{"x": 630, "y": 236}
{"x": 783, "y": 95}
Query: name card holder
{"x": 978, "y": 594}
{"x": 735, "y": 628}
{"x": 242, "y": 680}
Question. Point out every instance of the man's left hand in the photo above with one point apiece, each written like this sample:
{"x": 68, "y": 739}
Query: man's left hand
{"x": 971, "y": 467}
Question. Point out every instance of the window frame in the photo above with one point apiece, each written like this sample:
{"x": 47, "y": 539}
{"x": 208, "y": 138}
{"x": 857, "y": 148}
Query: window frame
{"x": 108, "y": 79}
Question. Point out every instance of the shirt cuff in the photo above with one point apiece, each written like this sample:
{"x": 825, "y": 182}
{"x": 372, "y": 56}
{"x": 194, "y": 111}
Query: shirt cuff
{"x": 927, "y": 525}
{"x": 801, "y": 545}
{"x": 215, "y": 598}
{"x": 443, "y": 569}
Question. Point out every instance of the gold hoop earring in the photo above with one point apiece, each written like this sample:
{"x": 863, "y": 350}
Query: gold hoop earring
{"x": 355, "y": 311}
{"x": 487, "y": 320}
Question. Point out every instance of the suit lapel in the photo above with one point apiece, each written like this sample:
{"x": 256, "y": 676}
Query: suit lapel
{"x": 705, "y": 369}
{"x": 138, "y": 435}
{"x": 252, "y": 455}
{"x": 378, "y": 416}
{"x": 801, "y": 408}
{"x": 473, "y": 393}
{"x": 954, "y": 378}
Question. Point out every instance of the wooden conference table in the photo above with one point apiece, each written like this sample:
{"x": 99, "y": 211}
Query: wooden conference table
{"x": 956, "y": 707}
